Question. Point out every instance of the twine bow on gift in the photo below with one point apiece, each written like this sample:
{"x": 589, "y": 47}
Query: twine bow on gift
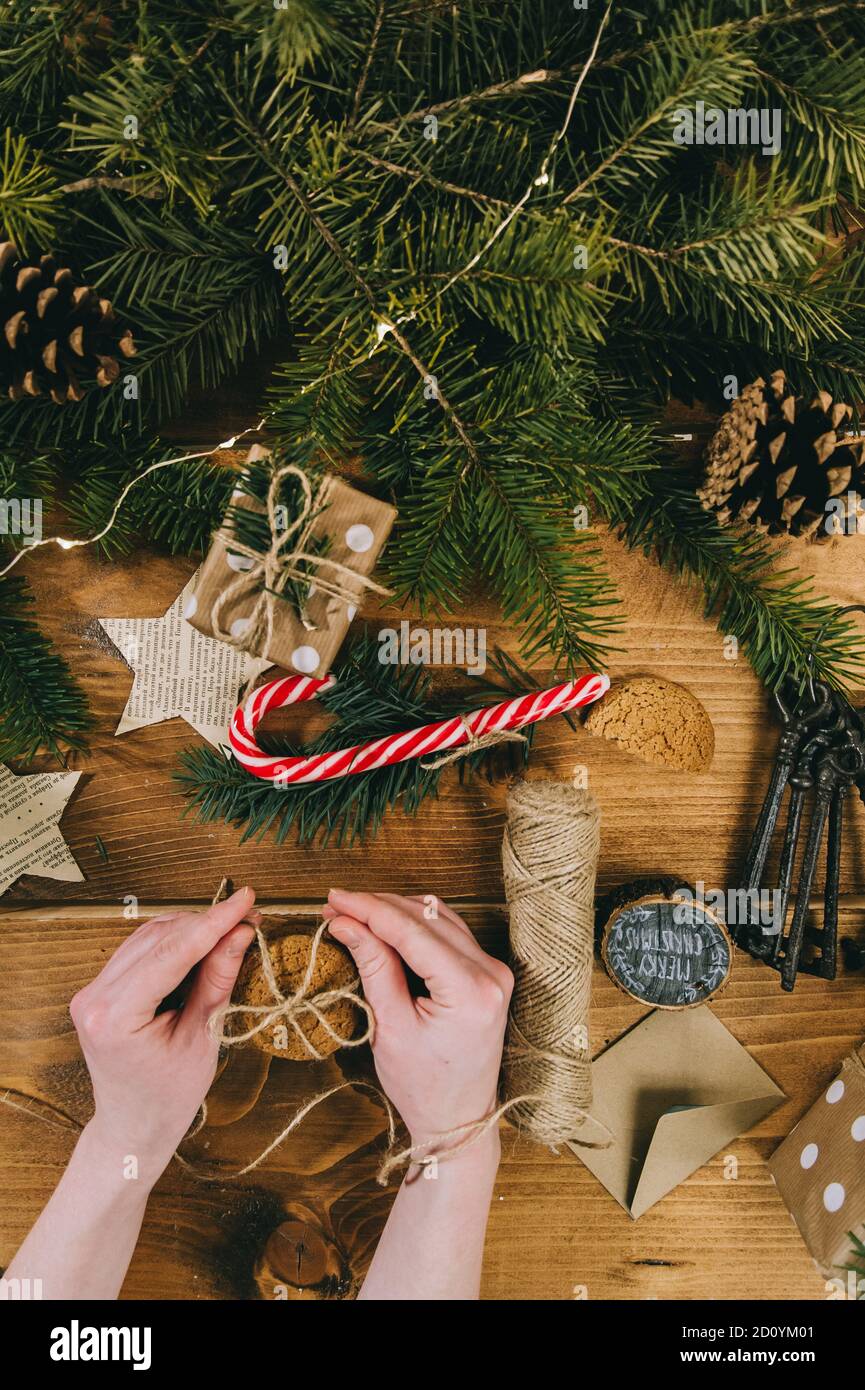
{"x": 275, "y": 567}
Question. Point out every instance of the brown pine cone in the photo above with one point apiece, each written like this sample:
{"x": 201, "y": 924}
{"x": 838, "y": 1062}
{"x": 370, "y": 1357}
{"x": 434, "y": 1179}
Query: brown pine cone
{"x": 777, "y": 462}
{"x": 56, "y": 331}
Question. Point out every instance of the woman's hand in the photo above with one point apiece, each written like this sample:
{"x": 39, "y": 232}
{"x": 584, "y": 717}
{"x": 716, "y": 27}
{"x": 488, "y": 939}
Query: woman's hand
{"x": 150, "y": 1070}
{"x": 437, "y": 1056}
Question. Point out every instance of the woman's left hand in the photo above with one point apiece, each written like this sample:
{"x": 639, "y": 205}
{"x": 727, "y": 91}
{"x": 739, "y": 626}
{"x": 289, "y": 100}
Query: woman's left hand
{"x": 150, "y": 1070}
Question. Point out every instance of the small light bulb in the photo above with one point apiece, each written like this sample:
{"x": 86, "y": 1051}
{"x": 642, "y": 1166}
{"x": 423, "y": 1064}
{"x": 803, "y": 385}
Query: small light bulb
{"x": 381, "y": 329}
{"x": 541, "y": 180}
{"x": 228, "y": 443}
{"x": 64, "y": 545}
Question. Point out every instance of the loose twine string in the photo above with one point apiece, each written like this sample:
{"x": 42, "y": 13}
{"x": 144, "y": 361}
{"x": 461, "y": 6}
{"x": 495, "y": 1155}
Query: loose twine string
{"x": 549, "y": 858}
{"x": 475, "y": 744}
{"x": 292, "y": 1008}
{"x": 273, "y": 568}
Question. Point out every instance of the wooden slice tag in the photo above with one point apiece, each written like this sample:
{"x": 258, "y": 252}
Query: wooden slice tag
{"x": 671, "y": 952}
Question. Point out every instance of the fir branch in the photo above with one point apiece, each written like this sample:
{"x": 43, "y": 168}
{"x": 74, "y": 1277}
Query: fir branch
{"x": 779, "y": 19}
{"x": 709, "y": 72}
{"x": 557, "y": 595}
{"x": 176, "y": 509}
{"x": 28, "y": 195}
{"x": 367, "y": 64}
{"x": 550, "y": 76}
{"x": 827, "y": 118}
{"x": 774, "y": 614}
{"x": 24, "y": 475}
{"x": 435, "y": 325}
{"x": 295, "y": 34}
{"x": 857, "y": 1263}
{"x": 142, "y": 187}
{"x": 351, "y": 269}
{"x": 41, "y": 706}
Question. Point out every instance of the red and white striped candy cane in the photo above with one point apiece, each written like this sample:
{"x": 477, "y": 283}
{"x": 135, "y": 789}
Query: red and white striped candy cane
{"x": 515, "y": 713}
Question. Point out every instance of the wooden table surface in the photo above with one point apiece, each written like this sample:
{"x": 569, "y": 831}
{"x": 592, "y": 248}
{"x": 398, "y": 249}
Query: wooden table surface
{"x": 303, "y": 1224}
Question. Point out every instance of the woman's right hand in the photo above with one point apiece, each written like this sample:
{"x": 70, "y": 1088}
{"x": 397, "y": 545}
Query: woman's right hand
{"x": 438, "y": 1055}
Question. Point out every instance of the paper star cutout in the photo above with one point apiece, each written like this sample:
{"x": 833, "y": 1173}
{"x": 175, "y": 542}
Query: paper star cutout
{"x": 179, "y": 673}
{"x": 30, "y": 841}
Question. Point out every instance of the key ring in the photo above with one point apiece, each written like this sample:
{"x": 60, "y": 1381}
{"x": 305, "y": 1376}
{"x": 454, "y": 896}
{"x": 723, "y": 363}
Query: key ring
{"x": 834, "y": 756}
{"x": 790, "y": 713}
{"x": 815, "y": 642}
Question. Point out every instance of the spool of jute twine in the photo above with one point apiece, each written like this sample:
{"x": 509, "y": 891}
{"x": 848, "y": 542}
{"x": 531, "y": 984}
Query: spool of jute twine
{"x": 549, "y": 858}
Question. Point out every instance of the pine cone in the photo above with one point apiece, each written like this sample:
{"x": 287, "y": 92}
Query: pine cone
{"x": 55, "y": 329}
{"x": 776, "y": 462}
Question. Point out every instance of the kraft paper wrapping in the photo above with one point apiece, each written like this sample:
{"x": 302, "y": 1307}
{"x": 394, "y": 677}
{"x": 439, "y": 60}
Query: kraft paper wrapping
{"x": 819, "y": 1169}
{"x": 356, "y": 527}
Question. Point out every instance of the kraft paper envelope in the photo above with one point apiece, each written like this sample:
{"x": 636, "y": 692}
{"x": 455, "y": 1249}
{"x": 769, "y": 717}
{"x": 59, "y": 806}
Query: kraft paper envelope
{"x": 673, "y": 1091}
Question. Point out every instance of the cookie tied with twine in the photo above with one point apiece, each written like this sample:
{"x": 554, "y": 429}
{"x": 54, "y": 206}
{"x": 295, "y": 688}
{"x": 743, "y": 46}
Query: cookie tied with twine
{"x": 297, "y": 997}
{"x": 295, "y": 1009}
{"x": 549, "y": 858}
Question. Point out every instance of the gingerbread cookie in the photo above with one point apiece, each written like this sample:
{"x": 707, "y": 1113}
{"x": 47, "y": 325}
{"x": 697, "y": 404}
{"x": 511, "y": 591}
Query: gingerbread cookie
{"x": 657, "y": 720}
{"x": 289, "y": 955}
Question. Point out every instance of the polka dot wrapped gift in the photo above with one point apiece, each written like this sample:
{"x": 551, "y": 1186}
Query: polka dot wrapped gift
{"x": 290, "y": 565}
{"x": 820, "y": 1172}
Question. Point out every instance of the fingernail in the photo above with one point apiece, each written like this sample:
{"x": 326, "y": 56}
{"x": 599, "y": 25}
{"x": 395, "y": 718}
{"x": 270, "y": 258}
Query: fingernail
{"x": 242, "y": 892}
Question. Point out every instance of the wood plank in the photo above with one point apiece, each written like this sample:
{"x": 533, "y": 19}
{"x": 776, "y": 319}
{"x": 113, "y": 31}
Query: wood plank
{"x": 654, "y": 819}
{"x": 553, "y": 1228}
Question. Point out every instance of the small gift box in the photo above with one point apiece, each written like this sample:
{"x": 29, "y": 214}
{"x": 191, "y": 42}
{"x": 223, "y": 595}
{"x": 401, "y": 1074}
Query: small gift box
{"x": 819, "y": 1171}
{"x": 284, "y": 578}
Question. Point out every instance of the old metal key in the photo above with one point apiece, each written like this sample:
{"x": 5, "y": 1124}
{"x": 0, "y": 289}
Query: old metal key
{"x": 796, "y": 722}
{"x": 836, "y": 770}
{"x": 801, "y": 782}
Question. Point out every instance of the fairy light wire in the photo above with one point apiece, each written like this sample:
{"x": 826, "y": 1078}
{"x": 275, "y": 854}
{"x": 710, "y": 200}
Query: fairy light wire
{"x": 540, "y": 180}
{"x": 382, "y": 328}
{"x": 74, "y": 543}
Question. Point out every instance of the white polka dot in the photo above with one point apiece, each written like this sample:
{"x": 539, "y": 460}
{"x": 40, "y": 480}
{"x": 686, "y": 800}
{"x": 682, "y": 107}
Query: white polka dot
{"x": 190, "y": 607}
{"x": 835, "y": 1092}
{"x": 239, "y": 562}
{"x": 857, "y": 1129}
{"x": 351, "y": 611}
{"x": 239, "y": 626}
{"x": 304, "y": 659}
{"x": 359, "y": 538}
{"x": 808, "y": 1157}
{"x": 833, "y": 1197}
